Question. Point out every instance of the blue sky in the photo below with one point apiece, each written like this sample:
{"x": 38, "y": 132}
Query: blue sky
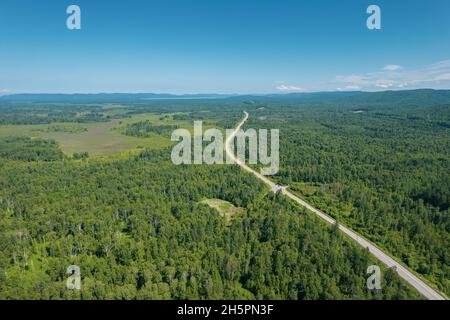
{"x": 223, "y": 46}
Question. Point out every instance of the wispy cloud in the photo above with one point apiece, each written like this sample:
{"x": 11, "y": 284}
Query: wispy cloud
{"x": 349, "y": 88}
{"x": 288, "y": 88}
{"x": 392, "y": 67}
{"x": 4, "y": 91}
{"x": 443, "y": 77}
{"x": 396, "y": 77}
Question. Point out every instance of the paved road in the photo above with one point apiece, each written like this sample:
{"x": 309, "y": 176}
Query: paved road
{"x": 408, "y": 276}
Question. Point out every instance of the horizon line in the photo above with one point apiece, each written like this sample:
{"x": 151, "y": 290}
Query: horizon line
{"x": 215, "y": 93}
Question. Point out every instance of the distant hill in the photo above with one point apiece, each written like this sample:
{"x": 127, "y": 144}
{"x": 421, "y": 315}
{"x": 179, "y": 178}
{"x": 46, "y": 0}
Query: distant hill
{"x": 405, "y": 97}
{"x": 101, "y": 97}
{"x": 369, "y": 97}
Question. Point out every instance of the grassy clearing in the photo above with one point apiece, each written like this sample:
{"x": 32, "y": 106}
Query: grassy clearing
{"x": 101, "y": 138}
{"x": 226, "y": 209}
{"x": 164, "y": 119}
{"x": 98, "y": 139}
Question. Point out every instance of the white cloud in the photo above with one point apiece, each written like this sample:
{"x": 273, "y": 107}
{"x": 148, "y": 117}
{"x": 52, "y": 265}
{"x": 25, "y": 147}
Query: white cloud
{"x": 384, "y": 86}
{"x": 350, "y": 79}
{"x": 349, "y": 88}
{"x": 392, "y": 67}
{"x": 390, "y": 77}
{"x": 4, "y": 91}
{"x": 440, "y": 65}
{"x": 287, "y": 88}
{"x": 445, "y": 76}
{"x": 432, "y": 76}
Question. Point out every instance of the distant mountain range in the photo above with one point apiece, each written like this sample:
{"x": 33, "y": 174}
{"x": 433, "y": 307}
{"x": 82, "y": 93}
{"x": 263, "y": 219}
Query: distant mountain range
{"x": 101, "y": 97}
{"x": 405, "y": 96}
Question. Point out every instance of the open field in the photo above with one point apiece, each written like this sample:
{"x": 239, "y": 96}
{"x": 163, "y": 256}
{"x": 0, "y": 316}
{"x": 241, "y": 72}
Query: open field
{"x": 98, "y": 139}
{"x": 226, "y": 209}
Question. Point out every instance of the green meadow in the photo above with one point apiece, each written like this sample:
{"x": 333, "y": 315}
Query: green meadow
{"x": 98, "y": 138}
{"x": 225, "y": 209}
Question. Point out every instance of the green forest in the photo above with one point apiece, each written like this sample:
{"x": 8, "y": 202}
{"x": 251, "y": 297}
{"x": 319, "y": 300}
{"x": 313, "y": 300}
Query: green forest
{"x": 138, "y": 228}
{"x": 381, "y": 167}
{"x": 146, "y": 128}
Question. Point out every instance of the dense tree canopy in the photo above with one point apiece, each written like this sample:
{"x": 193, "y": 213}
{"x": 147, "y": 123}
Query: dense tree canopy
{"x": 137, "y": 230}
{"x": 137, "y": 227}
{"x": 384, "y": 171}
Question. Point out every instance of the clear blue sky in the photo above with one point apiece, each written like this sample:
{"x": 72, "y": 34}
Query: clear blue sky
{"x": 223, "y": 46}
